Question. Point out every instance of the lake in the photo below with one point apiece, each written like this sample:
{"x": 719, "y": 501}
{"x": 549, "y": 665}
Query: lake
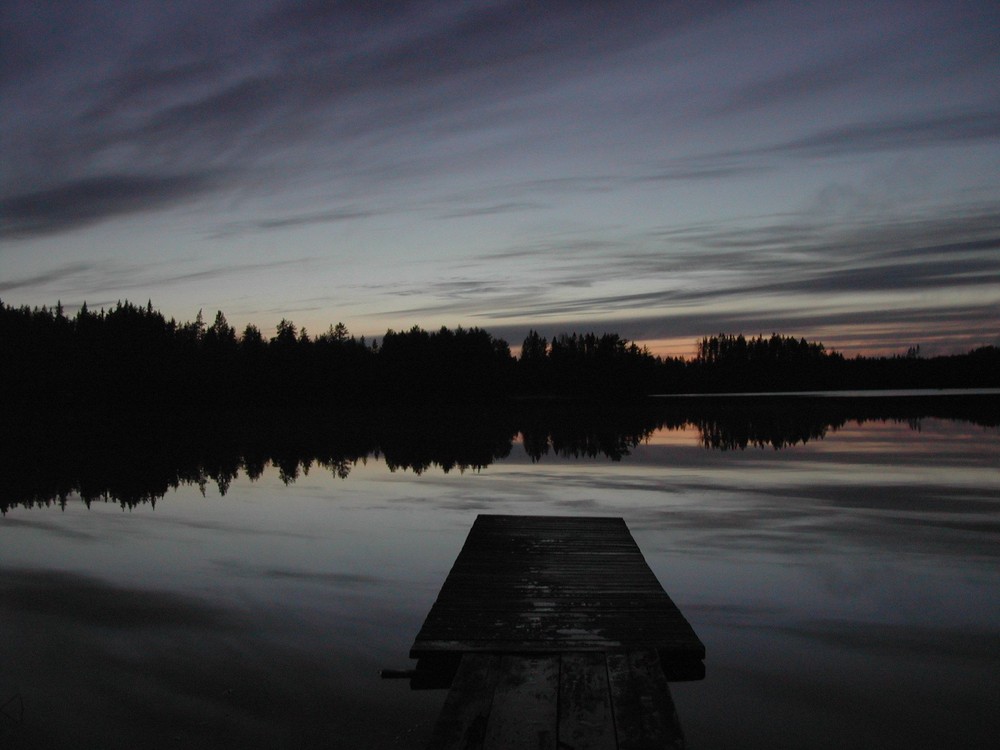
{"x": 842, "y": 568}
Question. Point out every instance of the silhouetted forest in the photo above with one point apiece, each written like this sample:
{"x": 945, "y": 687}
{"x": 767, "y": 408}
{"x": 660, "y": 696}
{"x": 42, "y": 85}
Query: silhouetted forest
{"x": 134, "y": 459}
{"x": 130, "y": 357}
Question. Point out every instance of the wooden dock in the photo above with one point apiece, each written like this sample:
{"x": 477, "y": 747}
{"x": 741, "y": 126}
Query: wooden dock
{"x": 562, "y": 637}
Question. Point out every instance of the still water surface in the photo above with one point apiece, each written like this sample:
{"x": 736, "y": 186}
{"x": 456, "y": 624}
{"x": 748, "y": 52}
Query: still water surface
{"x": 846, "y": 589}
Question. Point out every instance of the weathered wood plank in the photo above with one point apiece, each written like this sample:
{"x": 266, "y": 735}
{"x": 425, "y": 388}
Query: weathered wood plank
{"x": 490, "y": 618}
{"x": 463, "y": 719}
{"x": 516, "y": 646}
{"x": 605, "y": 605}
{"x": 552, "y": 583}
{"x": 561, "y": 626}
{"x": 581, "y": 643}
{"x": 586, "y": 721}
{"x": 525, "y": 704}
{"x": 640, "y": 697}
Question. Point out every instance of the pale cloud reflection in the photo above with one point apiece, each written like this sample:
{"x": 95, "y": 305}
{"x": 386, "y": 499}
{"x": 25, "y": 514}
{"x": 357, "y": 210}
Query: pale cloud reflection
{"x": 824, "y": 577}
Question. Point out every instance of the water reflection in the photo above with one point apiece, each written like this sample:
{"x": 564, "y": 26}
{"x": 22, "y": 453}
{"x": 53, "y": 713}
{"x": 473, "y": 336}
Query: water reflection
{"x": 845, "y": 587}
{"x": 138, "y": 460}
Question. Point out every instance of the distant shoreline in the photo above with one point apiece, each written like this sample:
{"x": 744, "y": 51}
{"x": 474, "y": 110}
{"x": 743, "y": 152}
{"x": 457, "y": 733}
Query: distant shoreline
{"x": 870, "y": 393}
{"x": 133, "y": 358}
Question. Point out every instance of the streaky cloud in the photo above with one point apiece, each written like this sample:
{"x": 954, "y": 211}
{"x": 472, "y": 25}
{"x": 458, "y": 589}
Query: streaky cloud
{"x": 687, "y": 170}
{"x": 940, "y": 129}
{"x": 949, "y": 248}
{"x": 294, "y": 220}
{"x": 84, "y": 282}
{"x": 882, "y": 327}
{"x": 492, "y": 209}
{"x": 805, "y": 82}
{"x": 915, "y": 131}
{"x": 55, "y": 274}
{"x": 86, "y": 201}
{"x": 840, "y": 265}
{"x": 219, "y": 114}
{"x": 146, "y": 276}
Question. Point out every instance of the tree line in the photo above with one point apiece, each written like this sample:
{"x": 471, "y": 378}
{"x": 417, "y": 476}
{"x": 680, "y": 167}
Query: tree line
{"x": 132, "y": 356}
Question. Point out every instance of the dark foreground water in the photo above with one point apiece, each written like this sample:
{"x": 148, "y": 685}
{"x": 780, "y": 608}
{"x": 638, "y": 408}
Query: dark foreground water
{"x": 846, "y": 586}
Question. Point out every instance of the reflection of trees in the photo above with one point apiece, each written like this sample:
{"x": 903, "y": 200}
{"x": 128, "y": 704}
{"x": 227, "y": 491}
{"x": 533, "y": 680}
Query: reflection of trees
{"x": 417, "y": 439}
{"x": 769, "y": 429}
{"x": 138, "y": 460}
{"x": 574, "y": 430}
{"x": 725, "y": 436}
{"x": 135, "y": 461}
{"x": 738, "y": 423}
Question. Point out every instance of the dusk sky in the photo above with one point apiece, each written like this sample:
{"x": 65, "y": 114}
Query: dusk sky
{"x": 664, "y": 170}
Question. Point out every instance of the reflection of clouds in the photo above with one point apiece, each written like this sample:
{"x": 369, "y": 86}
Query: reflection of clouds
{"x": 55, "y": 529}
{"x": 815, "y": 601}
{"x": 99, "y": 664}
{"x": 232, "y": 527}
{"x": 736, "y": 611}
{"x": 88, "y": 601}
{"x": 332, "y": 579}
{"x": 884, "y": 639}
{"x": 899, "y": 498}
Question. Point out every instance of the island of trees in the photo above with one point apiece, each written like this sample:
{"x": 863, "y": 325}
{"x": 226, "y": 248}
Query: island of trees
{"x": 132, "y": 356}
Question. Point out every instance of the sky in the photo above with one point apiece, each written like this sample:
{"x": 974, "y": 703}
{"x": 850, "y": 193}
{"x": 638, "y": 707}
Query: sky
{"x": 663, "y": 170}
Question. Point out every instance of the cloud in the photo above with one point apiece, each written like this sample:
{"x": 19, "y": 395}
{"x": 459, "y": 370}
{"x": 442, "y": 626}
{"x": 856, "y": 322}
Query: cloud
{"x": 52, "y": 275}
{"x": 86, "y": 281}
{"x": 803, "y": 272}
{"x": 947, "y": 249}
{"x": 920, "y": 130}
{"x": 492, "y": 209}
{"x": 249, "y": 98}
{"x": 293, "y": 220}
{"x": 809, "y": 80}
{"x": 698, "y": 168}
{"x": 921, "y": 276}
{"x": 576, "y": 125}
{"x": 216, "y": 272}
{"x": 85, "y": 201}
{"x": 219, "y": 116}
{"x": 914, "y": 131}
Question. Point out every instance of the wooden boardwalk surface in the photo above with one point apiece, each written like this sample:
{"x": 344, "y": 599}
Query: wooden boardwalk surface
{"x": 560, "y": 627}
{"x": 544, "y": 583}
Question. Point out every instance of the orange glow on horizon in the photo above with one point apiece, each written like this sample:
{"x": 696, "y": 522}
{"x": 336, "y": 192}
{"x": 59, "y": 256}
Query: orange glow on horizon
{"x": 684, "y": 348}
{"x": 870, "y": 340}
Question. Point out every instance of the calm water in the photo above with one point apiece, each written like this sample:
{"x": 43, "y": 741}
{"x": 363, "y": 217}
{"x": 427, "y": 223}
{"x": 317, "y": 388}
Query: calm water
{"x": 847, "y": 590}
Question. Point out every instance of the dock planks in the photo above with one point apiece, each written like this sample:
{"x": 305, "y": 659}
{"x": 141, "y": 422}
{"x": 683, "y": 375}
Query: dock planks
{"x": 560, "y": 631}
{"x": 553, "y": 584}
{"x": 582, "y": 700}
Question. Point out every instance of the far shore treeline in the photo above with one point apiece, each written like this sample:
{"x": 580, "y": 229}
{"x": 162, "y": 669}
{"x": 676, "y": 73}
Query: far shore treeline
{"x": 132, "y": 356}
